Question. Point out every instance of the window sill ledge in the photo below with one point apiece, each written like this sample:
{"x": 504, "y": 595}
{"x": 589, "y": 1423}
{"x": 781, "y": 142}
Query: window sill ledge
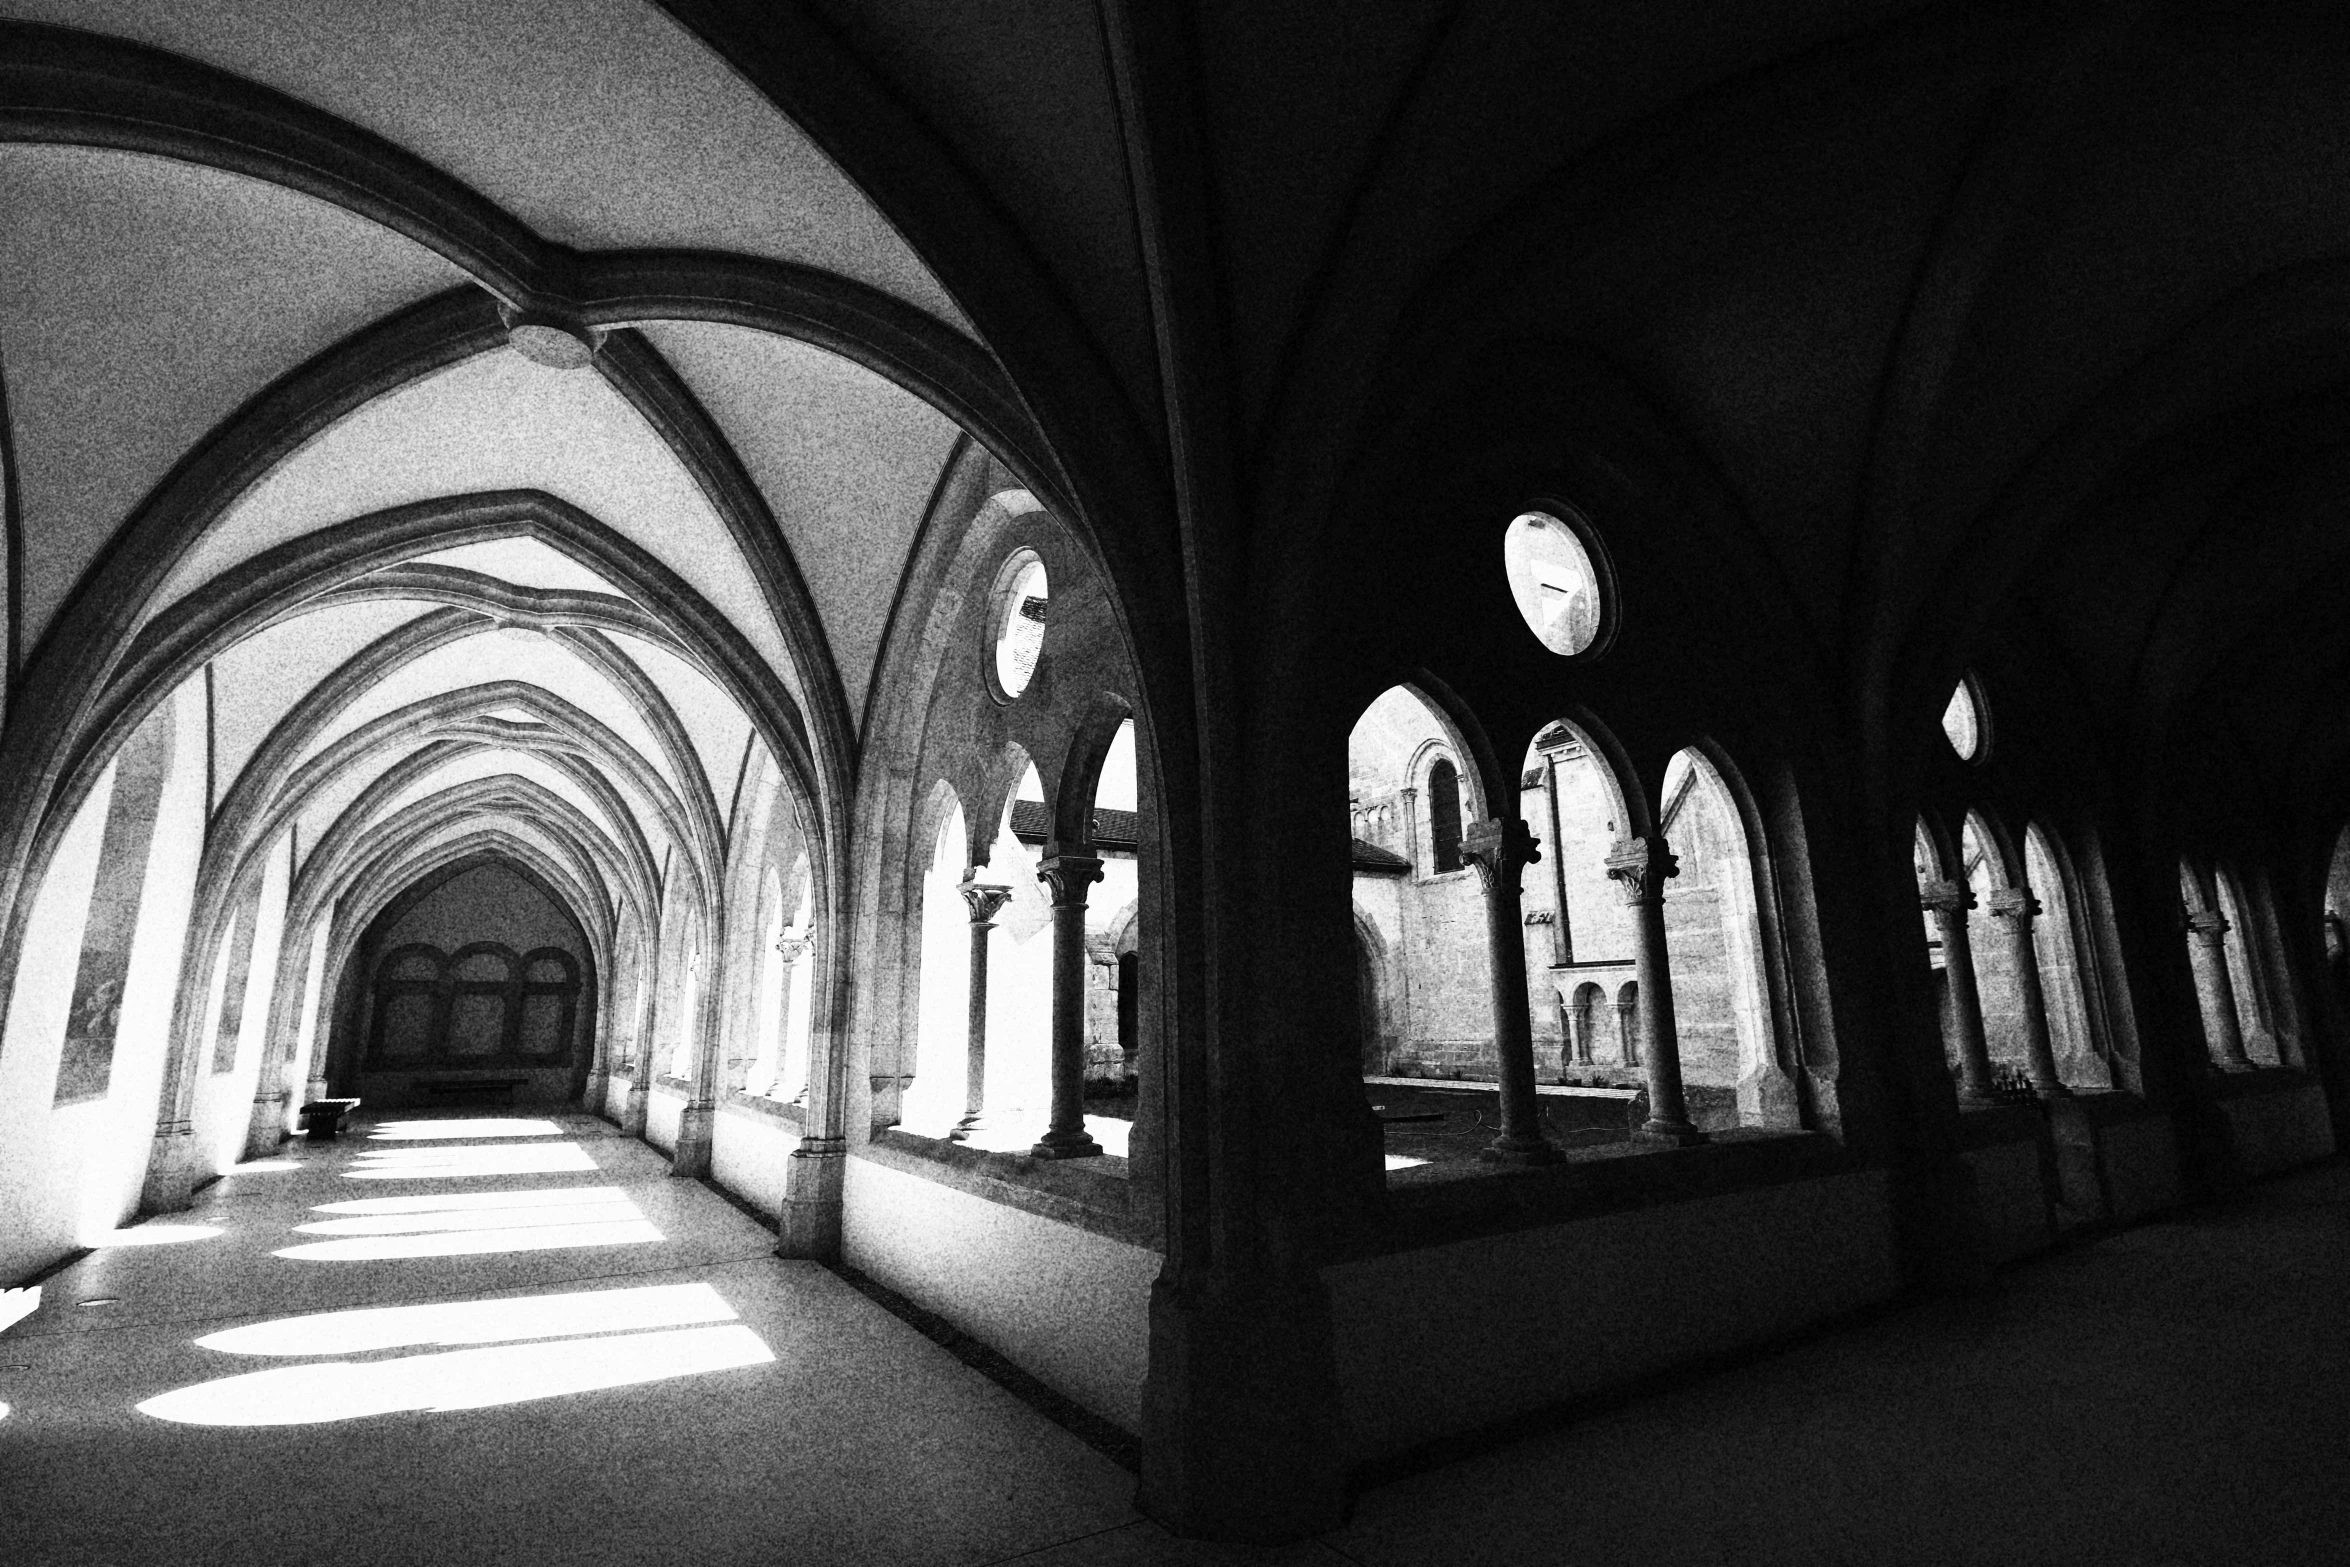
{"x": 1433, "y": 1205}
{"x": 767, "y": 1109}
{"x": 2262, "y": 1079}
{"x": 1092, "y": 1194}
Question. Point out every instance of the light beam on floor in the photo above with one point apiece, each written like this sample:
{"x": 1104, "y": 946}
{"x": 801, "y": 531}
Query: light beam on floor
{"x": 459, "y": 1379}
{"x": 482, "y": 1126}
{"x": 460, "y": 1202}
{"x": 440, "y": 1324}
{"x": 18, "y": 1304}
{"x": 151, "y": 1235}
{"x": 437, "y": 1164}
{"x": 473, "y": 1223}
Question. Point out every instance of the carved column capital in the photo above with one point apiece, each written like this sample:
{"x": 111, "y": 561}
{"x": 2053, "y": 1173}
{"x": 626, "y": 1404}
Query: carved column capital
{"x": 1500, "y": 847}
{"x": 1945, "y": 897}
{"x": 2208, "y": 925}
{"x": 794, "y": 948}
{"x": 1067, "y": 875}
{"x": 987, "y": 899}
{"x": 2014, "y": 903}
{"x": 1640, "y": 867}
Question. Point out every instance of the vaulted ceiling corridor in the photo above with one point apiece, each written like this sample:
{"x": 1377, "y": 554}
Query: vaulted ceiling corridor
{"x": 1341, "y": 731}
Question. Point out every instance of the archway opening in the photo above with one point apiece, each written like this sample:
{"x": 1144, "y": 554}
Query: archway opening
{"x": 474, "y": 984}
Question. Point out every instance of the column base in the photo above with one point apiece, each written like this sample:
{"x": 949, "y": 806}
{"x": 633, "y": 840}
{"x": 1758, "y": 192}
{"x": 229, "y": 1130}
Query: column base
{"x": 1668, "y": 1134}
{"x": 594, "y": 1092}
{"x": 808, "y": 1220}
{"x": 267, "y": 1129}
{"x": 1507, "y": 1149}
{"x": 2238, "y": 1066}
{"x": 2051, "y": 1091}
{"x": 633, "y": 1111}
{"x": 1066, "y": 1145}
{"x": 170, "y": 1184}
{"x": 961, "y": 1131}
{"x": 695, "y": 1124}
{"x": 1243, "y": 1439}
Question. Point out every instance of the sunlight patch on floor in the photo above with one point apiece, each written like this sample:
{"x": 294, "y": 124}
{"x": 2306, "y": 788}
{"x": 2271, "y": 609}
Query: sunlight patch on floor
{"x": 440, "y": 1324}
{"x": 18, "y": 1304}
{"x": 459, "y": 1379}
{"x": 447, "y": 1131}
{"x": 632, "y": 1336}
{"x": 151, "y": 1235}
{"x": 438, "y": 1164}
{"x": 460, "y": 1202}
{"x": 467, "y": 1225}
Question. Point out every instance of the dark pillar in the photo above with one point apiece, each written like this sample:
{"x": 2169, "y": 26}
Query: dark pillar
{"x": 987, "y": 900}
{"x": 2207, "y": 944}
{"x": 2016, "y": 909}
{"x": 1067, "y": 875}
{"x": 1640, "y": 868}
{"x": 1500, "y": 848}
{"x": 1948, "y": 902}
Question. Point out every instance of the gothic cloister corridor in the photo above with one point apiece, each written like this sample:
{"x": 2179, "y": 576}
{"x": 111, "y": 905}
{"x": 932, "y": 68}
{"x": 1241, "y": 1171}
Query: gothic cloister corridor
{"x": 1122, "y": 780}
{"x": 677, "y": 1392}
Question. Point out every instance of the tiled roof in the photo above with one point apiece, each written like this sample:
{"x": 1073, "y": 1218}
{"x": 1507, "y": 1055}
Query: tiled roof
{"x": 1032, "y": 823}
{"x": 1373, "y": 860}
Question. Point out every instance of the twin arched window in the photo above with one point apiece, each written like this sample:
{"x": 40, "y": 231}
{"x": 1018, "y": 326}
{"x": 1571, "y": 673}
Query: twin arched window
{"x": 483, "y": 1005}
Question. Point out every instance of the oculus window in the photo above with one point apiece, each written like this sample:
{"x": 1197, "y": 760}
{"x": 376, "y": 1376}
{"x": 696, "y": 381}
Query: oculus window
{"x": 1962, "y": 721}
{"x": 1021, "y": 596}
{"x": 1556, "y": 579}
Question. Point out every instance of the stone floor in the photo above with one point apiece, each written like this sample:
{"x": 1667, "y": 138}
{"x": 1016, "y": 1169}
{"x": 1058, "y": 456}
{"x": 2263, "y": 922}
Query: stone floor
{"x": 662, "y": 1389}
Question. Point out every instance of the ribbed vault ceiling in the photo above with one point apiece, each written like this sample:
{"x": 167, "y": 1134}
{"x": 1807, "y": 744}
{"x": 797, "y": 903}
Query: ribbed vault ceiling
{"x": 494, "y": 688}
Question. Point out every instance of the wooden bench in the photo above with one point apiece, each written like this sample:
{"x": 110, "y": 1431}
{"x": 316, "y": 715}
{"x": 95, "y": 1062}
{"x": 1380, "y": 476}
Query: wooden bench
{"x": 488, "y": 1090}
{"x": 322, "y": 1119}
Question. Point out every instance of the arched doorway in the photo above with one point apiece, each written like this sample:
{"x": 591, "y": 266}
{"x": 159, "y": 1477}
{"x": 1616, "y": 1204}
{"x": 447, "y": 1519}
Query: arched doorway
{"x": 476, "y": 979}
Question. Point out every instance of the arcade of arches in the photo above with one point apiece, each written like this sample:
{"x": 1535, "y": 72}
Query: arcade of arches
{"x": 1167, "y": 686}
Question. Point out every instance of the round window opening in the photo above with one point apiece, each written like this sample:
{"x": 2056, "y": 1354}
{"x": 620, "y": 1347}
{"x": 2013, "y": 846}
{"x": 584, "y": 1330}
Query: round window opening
{"x": 1556, "y": 582}
{"x": 1962, "y": 721}
{"x": 1019, "y": 639}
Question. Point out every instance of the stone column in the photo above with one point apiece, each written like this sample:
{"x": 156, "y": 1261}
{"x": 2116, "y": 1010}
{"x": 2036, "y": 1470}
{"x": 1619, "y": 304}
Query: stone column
{"x": 987, "y": 900}
{"x": 1577, "y": 1026}
{"x": 645, "y": 1002}
{"x": 1640, "y": 867}
{"x": 1500, "y": 848}
{"x": 795, "y": 950}
{"x": 697, "y": 1123}
{"x": 2016, "y": 909}
{"x": 266, "y": 1128}
{"x": 1627, "y": 1030}
{"x": 1948, "y": 902}
{"x": 2207, "y": 945}
{"x": 1067, "y": 875}
{"x": 595, "y": 1088}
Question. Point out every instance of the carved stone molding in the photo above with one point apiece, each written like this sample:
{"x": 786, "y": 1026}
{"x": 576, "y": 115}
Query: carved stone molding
{"x": 1067, "y": 876}
{"x": 1500, "y": 846}
{"x": 1640, "y": 867}
{"x": 987, "y": 899}
{"x": 2014, "y": 903}
{"x": 1946, "y": 897}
